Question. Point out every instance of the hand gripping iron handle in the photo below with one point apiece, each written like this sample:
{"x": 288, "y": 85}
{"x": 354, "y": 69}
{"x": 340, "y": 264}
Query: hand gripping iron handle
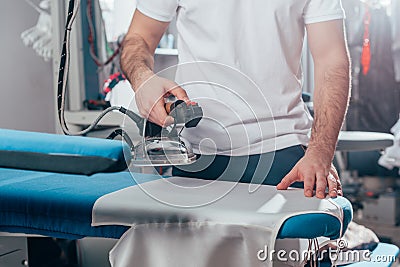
{"x": 189, "y": 114}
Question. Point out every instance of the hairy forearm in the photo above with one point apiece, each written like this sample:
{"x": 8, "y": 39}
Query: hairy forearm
{"x": 331, "y": 97}
{"x": 137, "y": 62}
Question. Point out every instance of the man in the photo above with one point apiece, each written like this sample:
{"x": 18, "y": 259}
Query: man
{"x": 261, "y": 41}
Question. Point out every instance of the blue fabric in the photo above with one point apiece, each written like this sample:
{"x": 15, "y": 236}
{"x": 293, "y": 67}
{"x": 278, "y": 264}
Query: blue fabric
{"x": 13, "y": 140}
{"x": 322, "y": 224}
{"x": 60, "y": 205}
{"x": 57, "y": 205}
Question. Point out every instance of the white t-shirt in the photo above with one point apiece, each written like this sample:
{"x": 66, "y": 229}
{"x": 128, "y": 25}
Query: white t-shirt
{"x": 241, "y": 63}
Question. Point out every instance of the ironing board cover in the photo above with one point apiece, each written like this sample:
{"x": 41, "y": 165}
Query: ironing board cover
{"x": 61, "y": 153}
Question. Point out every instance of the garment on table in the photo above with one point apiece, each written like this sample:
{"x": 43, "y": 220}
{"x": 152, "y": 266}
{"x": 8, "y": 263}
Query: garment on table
{"x": 247, "y": 75}
{"x": 360, "y": 237}
{"x": 191, "y": 222}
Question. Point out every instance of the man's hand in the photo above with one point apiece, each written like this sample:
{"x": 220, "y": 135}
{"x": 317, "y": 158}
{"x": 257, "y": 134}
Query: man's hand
{"x": 314, "y": 171}
{"x": 331, "y": 95}
{"x": 150, "y": 97}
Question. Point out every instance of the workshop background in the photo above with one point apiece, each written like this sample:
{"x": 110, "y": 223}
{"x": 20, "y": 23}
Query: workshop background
{"x": 28, "y": 86}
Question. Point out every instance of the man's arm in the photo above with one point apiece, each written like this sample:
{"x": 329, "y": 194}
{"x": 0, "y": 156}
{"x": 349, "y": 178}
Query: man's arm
{"x": 137, "y": 63}
{"x": 331, "y": 95}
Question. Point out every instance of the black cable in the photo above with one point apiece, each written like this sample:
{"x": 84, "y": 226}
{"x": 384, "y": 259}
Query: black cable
{"x": 124, "y": 135}
{"x": 64, "y": 65}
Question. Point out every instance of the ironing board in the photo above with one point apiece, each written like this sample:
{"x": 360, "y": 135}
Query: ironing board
{"x": 61, "y": 204}
{"x": 363, "y": 141}
{"x": 358, "y": 141}
{"x": 31, "y": 191}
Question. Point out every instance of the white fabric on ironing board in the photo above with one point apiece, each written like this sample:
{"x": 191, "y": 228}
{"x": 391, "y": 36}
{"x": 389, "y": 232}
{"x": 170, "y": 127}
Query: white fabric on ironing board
{"x": 191, "y": 222}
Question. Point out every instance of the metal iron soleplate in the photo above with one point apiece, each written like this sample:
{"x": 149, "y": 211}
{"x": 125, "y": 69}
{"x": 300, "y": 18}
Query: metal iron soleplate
{"x": 166, "y": 162}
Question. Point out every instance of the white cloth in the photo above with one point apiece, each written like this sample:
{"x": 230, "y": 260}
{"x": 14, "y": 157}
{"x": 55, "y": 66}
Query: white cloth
{"x": 191, "y": 222}
{"x": 39, "y": 37}
{"x": 358, "y": 236}
{"x": 255, "y": 104}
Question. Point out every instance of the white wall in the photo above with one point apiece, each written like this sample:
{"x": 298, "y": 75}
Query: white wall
{"x": 26, "y": 80}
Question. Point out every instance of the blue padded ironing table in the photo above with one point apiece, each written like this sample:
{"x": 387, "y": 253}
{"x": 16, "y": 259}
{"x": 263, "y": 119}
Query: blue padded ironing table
{"x": 60, "y": 205}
